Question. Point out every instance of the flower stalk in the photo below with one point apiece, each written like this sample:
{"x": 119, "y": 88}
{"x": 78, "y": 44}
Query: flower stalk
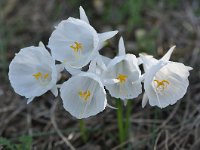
{"x": 83, "y": 130}
{"x": 123, "y": 124}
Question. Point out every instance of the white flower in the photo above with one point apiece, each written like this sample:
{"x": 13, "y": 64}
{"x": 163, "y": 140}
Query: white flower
{"x": 33, "y": 72}
{"x": 83, "y": 95}
{"x": 165, "y": 82}
{"x": 98, "y": 65}
{"x": 122, "y": 77}
{"x": 75, "y": 42}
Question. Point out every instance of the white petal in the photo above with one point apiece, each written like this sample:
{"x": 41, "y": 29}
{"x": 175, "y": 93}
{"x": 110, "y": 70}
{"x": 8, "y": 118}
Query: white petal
{"x": 97, "y": 65}
{"x": 122, "y": 50}
{"x": 149, "y": 75}
{"x": 126, "y": 65}
{"x": 58, "y": 86}
{"x": 106, "y": 60}
{"x": 167, "y": 56}
{"x": 139, "y": 61}
{"x": 189, "y": 68}
{"x": 83, "y": 15}
{"x": 30, "y": 100}
{"x": 144, "y": 100}
{"x": 148, "y": 61}
{"x": 66, "y": 34}
{"x": 100, "y": 62}
{"x": 41, "y": 44}
{"x": 78, "y": 107}
{"x": 59, "y": 68}
{"x": 115, "y": 61}
{"x": 105, "y": 36}
{"x": 112, "y": 107}
{"x": 27, "y": 62}
{"x": 92, "y": 66}
{"x": 72, "y": 71}
{"x": 142, "y": 77}
{"x": 110, "y": 81}
{"x": 125, "y": 102}
{"x": 177, "y": 76}
{"x": 54, "y": 90}
{"x": 126, "y": 91}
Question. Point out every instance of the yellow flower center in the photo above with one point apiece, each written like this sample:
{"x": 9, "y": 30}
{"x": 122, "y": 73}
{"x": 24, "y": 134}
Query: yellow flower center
{"x": 122, "y": 78}
{"x": 77, "y": 47}
{"x": 39, "y": 75}
{"x": 161, "y": 85}
{"x": 85, "y": 95}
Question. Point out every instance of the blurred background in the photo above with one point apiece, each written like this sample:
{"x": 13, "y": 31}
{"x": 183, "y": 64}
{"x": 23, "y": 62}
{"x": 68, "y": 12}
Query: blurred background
{"x": 151, "y": 26}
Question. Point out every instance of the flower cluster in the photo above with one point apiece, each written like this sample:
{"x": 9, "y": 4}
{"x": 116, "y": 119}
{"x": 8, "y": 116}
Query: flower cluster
{"x": 75, "y": 43}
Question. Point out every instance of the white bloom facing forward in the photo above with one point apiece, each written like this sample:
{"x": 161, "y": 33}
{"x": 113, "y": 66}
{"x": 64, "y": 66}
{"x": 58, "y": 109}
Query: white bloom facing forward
{"x": 123, "y": 70}
{"x": 83, "y": 95}
{"x": 33, "y": 72}
{"x": 75, "y": 42}
{"x": 165, "y": 81}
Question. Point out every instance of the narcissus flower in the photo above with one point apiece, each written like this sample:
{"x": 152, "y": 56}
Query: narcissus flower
{"x": 75, "y": 42}
{"x": 33, "y": 72}
{"x": 165, "y": 82}
{"x": 83, "y": 95}
{"x": 123, "y": 70}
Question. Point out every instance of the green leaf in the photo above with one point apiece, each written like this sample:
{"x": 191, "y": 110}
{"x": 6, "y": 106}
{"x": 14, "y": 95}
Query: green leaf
{"x": 6, "y": 144}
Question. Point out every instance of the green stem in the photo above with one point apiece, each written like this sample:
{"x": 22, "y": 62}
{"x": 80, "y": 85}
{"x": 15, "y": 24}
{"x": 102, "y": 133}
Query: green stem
{"x": 120, "y": 121}
{"x": 128, "y": 114}
{"x": 83, "y": 130}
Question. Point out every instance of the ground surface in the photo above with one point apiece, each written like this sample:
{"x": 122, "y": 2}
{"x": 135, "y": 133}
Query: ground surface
{"x": 151, "y": 26}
